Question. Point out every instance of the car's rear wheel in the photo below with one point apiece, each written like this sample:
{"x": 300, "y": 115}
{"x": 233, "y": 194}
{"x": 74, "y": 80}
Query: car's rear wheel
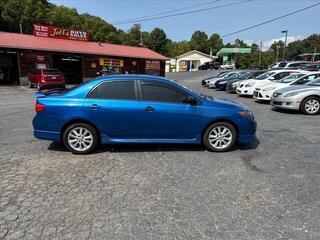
{"x": 80, "y": 138}
{"x": 310, "y": 106}
{"x": 219, "y": 137}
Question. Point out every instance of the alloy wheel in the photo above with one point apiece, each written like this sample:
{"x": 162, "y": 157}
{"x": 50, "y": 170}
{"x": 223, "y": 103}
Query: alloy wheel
{"x": 312, "y": 106}
{"x": 80, "y": 139}
{"x": 220, "y": 137}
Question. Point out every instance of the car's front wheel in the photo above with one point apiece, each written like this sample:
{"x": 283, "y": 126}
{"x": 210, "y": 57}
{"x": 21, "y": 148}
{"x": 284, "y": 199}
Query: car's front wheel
{"x": 80, "y": 138}
{"x": 220, "y": 137}
{"x": 310, "y": 106}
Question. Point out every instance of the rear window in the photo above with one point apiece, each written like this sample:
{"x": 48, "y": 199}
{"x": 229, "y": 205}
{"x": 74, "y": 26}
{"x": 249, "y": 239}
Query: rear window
{"x": 283, "y": 64}
{"x": 51, "y": 72}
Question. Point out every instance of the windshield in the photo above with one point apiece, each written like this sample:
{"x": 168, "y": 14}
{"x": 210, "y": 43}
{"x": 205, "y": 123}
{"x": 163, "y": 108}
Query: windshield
{"x": 315, "y": 82}
{"x": 264, "y": 75}
{"x": 290, "y": 78}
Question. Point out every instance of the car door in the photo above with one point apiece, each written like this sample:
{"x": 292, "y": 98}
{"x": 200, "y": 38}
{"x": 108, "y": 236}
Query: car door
{"x": 164, "y": 113}
{"x": 114, "y": 106}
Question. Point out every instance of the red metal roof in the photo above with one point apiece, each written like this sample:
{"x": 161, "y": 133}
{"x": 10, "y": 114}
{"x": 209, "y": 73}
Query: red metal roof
{"x": 24, "y": 41}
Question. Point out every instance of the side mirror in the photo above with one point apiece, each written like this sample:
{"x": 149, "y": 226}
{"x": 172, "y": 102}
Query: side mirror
{"x": 271, "y": 78}
{"x": 190, "y": 100}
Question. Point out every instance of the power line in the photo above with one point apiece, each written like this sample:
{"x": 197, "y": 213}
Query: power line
{"x": 183, "y": 13}
{"x": 166, "y": 12}
{"x": 271, "y": 20}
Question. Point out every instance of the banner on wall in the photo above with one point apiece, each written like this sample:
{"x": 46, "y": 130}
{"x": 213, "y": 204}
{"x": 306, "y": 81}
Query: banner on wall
{"x": 59, "y": 32}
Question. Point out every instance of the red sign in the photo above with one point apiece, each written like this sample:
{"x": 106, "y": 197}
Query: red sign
{"x": 59, "y": 32}
{"x": 152, "y": 64}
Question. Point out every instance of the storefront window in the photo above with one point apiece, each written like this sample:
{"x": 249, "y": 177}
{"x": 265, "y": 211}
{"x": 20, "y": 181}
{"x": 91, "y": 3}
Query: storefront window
{"x": 153, "y": 67}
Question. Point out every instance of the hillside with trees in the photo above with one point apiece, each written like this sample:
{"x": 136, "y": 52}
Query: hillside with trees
{"x": 43, "y": 12}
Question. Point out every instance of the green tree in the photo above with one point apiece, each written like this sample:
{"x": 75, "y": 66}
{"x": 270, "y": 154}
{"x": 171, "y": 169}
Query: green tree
{"x": 64, "y": 17}
{"x": 158, "y": 41}
{"x": 178, "y": 48}
{"x": 133, "y": 36}
{"x": 215, "y": 42}
{"x": 199, "y": 41}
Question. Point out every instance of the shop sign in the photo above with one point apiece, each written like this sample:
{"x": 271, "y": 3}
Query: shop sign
{"x": 110, "y": 62}
{"x": 59, "y": 32}
{"x": 152, "y": 64}
{"x": 40, "y": 58}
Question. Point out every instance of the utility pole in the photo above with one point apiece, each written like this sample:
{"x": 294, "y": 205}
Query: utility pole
{"x": 20, "y": 26}
{"x": 260, "y": 54}
{"x": 285, "y": 44}
{"x": 314, "y": 54}
{"x": 141, "y": 42}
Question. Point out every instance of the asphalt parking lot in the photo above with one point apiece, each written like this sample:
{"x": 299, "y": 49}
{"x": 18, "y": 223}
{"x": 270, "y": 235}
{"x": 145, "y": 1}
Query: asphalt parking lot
{"x": 269, "y": 190}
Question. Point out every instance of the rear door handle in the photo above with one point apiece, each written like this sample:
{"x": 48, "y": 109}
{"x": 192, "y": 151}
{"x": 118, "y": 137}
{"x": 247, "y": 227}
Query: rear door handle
{"x": 94, "y": 106}
{"x": 149, "y": 109}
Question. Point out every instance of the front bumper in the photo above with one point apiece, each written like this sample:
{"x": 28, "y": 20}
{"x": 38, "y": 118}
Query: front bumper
{"x": 245, "y": 91}
{"x": 285, "y": 103}
{"x": 262, "y": 95}
{"x": 248, "y": 128}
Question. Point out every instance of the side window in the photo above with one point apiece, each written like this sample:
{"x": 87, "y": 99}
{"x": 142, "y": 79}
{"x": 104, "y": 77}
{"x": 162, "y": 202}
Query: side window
{"x": 161, "y": 93}
{"x": 307, "y": 79}
{"x": 281, "y": 75}
{"x": 122, "y": 90}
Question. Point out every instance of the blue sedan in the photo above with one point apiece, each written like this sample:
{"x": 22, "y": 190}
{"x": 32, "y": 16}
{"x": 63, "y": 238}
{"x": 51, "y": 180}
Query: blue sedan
{"x": 139, "y": 109}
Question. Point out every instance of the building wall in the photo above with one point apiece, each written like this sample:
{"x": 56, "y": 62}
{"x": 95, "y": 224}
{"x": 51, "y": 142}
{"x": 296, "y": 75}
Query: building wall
{"x": 91, "y": 67}
{"x": 198, "y": 59}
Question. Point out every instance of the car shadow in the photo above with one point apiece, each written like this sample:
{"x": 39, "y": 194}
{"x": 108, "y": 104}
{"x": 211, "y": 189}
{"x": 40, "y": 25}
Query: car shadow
{"x": 285, "y": 111}
{"x": 54, "y": 146}
{"x": 264, "y": 102}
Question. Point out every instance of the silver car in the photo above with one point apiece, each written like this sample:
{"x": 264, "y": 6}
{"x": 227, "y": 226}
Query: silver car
{"x": 305, "y": 98}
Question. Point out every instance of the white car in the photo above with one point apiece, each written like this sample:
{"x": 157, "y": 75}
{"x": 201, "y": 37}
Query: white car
{"x": 210, "y": 82}
{"x": 247, "y": 87}
{"x": 265, "y": 91}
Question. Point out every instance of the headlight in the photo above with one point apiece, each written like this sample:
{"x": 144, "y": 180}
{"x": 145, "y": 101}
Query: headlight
{"x": 234, "y": 84}
{"x": 269, "y": 89}
{"x": 249, "y": 84}
{"x": 291, "y": 94}
{"x": 246, "y": 114}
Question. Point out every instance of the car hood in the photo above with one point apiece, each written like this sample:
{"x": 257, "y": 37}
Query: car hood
{"x": 273, "y": 84}
{"x": 297, "y": 88}
{"x": 225, "y": 103}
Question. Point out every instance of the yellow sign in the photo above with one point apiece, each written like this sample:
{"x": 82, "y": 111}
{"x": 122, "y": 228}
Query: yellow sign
{"x": 110, "y": 62}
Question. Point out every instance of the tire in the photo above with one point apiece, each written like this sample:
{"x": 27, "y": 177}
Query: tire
{"x": 310, "y": 106}
{"x": 89, "y": 139}
{"x": 223, "y": 132}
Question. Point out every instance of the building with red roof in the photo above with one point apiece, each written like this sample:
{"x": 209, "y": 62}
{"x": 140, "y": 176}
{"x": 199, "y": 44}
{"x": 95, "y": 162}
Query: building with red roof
{"x": 22, "y": 54}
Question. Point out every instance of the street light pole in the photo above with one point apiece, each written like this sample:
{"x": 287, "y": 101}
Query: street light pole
{"x": 285, "y": 44}
{"x": 278, "y": 47}
{"x": 20, "y": 26}
{"x": 260, "y": 53}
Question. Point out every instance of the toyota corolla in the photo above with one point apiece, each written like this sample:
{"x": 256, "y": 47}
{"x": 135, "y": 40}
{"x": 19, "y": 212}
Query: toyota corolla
{"x": 139, "y": 109}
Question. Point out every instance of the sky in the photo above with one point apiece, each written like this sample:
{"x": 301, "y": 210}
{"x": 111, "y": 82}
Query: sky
{"x": 222, "y": 20}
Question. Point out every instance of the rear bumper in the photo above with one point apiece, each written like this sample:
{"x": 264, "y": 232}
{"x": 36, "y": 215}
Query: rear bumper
{"x": 47, "y": 135}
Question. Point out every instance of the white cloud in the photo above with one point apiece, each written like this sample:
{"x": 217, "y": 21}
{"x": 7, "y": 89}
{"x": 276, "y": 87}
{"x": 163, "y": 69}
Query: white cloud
{"x": 266, "y": 44}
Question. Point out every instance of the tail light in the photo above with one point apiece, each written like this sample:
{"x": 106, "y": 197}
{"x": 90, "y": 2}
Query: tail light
{"x": 39, "y": 107}
{"x": 43, "y": 78}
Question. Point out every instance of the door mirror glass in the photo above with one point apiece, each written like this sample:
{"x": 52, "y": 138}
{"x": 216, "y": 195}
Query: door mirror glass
{"x": 190, "y": 100}
{"x": 271, "y": 78}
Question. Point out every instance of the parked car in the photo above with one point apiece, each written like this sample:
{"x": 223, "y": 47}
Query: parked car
{"x": 290, "y": 65}
{"x": 139, "y": 109}
{"x": 215, "y": 75}
{"x": 305, "y": 98}
{"x": 209, "y": 65}
{"x": 221, "y": 83}
{"x": 247, "y": 87}
{"x": 46, "y": 78}
{"x": 311, "y": 67}
{"x": 231, "y": 85}
{"x": 210, "y": 82}
{"x": 265, "y": 92}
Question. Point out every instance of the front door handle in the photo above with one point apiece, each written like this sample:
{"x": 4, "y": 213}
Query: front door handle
{"x": 94, "y": 106}
{"x": 149, "y": 109}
